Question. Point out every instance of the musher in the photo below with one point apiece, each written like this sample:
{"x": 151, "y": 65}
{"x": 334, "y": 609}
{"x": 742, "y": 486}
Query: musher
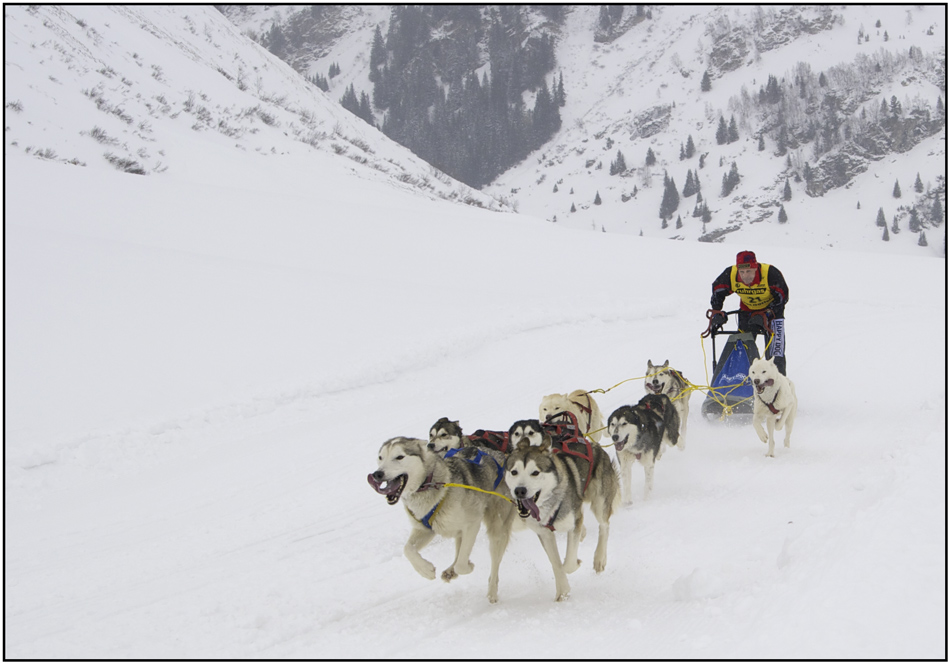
{"x": 763, "y": 292}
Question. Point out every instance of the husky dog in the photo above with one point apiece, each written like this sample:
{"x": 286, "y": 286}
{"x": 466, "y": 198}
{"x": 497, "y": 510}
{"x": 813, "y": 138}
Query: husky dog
{"x": 582, "y": 404}
{"x": 662, "y": 379}
{"x": 409, "y": 471}
{"x": 639, "y": 433}
{"x": 548, "y": 485}
{"x": 775, "y": 402}
{"x": 526, "y": 429}
{"x": 446, "y": 435}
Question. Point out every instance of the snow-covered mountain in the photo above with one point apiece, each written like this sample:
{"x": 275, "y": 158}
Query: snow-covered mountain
{"x": 77, "y": 91}
{"x": 635, "y": 86}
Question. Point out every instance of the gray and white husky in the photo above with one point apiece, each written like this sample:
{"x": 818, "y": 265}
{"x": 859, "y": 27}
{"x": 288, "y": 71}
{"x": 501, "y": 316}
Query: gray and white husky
{"x": 639, "y": 433}
{"x": 409, "y": 471}
{"x": 549, "y": 491}
{"x": 775, "y": 402}
{"x": 663, "y": 379}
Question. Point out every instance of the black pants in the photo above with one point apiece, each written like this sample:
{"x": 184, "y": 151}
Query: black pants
{"x": 754, "y": 324}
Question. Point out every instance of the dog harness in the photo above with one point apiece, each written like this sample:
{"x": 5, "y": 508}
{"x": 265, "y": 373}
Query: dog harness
{"x": 771, "y": 407}
{"x": 565, "y": 434}
{"x": 479, "y": 455}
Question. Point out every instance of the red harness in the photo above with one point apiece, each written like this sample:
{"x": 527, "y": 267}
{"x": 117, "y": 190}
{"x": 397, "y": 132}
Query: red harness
{"x": 496, "y": 440}
{"x": 564, "y": 434}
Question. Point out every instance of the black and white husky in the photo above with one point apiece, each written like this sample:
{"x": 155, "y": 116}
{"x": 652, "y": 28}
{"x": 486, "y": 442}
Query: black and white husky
{"x": 409, "y": 472}
{"x": 662, "y": 379}
{"x": 446, "y": 435}
{"x": 550, "y": 487}
{"x": 639, "y": 433}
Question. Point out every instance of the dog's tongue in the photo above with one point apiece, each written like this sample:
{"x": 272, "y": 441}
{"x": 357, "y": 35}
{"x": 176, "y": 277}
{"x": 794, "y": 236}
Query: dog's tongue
{"x": 532, "y": 507}
{"x": 382, "y": 487}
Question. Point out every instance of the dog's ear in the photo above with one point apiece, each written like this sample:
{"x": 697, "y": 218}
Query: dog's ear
{"x": 545, "y": 442}
{"x": 665, "y": 364}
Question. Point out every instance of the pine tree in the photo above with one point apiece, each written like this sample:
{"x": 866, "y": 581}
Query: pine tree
{"x": 885, "y": 236}
{"x": 707, "y": 216}
{"x": 555, "y": 188}
{"x": 918, "y": 185}
{"x": 651, "y": 158}
{"x": 679, "y": 221}
{"x": 597, "y": 200}
{"x": 671, "y": 199}
{"x": 722, "y": 132}
{"x": 690, "y": 147}
{"x": 682, "y": 152}
{"x": 573, "y": 209}
{"x": 664, "y": 225}
{"x": 782, "y": 215}
{"x": 895, "y": 229}
{"x": 914, "y": 222}
{"x": 881, "y": 221}
{"x": 822, "y": 80}
{"x": 706, "y": 84}
{"x": 733, "y": 131}
{"x": 619, "y": 165}
{"x": 922, "y": 242}
{"x": 730, "y": 180}
{"x": 690, "y": 187}
{"x": 761, "y": 142}
{"x": 897, "y": 189}
{"x": 787, "y": 193}
{"x": 377, "y": 55}
{"x": 936, "y": 212}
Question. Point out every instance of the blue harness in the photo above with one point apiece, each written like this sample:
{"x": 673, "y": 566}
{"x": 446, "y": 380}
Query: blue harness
{"x": 479, "y": 455}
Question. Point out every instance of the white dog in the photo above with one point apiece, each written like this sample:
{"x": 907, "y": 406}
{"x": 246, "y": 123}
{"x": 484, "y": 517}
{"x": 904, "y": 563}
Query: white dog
{"x": 775, "y": 402}
{"x": 581, "y": 404}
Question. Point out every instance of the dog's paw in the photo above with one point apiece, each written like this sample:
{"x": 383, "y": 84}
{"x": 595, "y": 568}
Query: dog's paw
{"x": 426, "y": 570}
{"x": 449, "y": 574}
{"x": 563, "y": 597}
{"x": 600, "y": 566}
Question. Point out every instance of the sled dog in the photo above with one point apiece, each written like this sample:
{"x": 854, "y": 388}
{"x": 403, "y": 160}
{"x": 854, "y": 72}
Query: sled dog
{"x": 526, "y": 429}
{"x": 585, "y": 409}
{"x": 775, "y": 402}
{"x": 446, "y": 435}
{"x": 548, "y": 487}
{"x": 638, "y": 433}
{"x": 663, "y": 379}
{"x": 409, "y": 471}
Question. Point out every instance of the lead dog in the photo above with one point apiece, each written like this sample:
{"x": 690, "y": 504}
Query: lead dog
{"x": 775, "y": 402}
{"x": 663, "y": 379}
{"x": 582, "y": 404}
{"x": 549, "y": 489}
{"x": 639, "y": 433}
{"x": 408, "y": 471}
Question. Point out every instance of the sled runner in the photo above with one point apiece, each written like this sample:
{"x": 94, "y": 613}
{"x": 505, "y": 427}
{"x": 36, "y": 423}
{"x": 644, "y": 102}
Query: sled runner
{"x": 730, "y": 390}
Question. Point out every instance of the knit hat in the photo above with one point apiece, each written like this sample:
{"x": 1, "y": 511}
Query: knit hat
{"x": 746, "y": 259}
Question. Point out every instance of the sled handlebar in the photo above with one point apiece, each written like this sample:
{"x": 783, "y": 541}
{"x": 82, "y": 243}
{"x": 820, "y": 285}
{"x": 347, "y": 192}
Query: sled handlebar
{"x": 709, "y": 315}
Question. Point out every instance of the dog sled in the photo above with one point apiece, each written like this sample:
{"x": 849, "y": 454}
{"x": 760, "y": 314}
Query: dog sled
{"x": 730, "y": 391}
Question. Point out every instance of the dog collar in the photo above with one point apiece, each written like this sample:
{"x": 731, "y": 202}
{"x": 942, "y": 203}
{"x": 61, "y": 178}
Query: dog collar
{"x": 550, "y": 524}
{"x": 429, "y": 484}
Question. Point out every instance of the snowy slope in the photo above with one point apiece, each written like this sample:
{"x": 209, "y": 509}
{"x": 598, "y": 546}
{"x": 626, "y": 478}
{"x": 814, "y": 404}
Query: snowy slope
{"x": 655, "y": 68}
{"x": 202, "y": 363}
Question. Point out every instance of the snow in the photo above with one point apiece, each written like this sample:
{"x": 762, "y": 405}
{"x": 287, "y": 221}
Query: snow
{"x": 202, "y": 364}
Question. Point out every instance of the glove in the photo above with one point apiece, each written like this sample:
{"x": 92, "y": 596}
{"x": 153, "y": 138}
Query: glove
{"x": 718, "y": 320}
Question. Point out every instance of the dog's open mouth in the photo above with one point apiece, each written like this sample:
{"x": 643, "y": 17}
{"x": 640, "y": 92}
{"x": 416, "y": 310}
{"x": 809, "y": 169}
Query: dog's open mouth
{"x": 619, "y": 445}
{"x": 760, "y": 387}
{"x": 529, "y": 507}
{"x": 392, "y": 489}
